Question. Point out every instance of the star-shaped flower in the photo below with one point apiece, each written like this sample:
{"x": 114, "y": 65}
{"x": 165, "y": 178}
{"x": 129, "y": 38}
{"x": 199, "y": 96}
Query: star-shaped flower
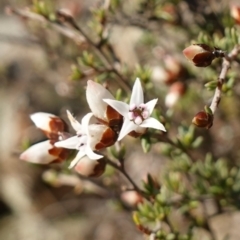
{"x": 137, "y": 113}
{"x": 85, "y": 140}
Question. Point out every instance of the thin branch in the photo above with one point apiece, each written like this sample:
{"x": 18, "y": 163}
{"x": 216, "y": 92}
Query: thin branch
{"x": 70, "y": 20}
{"x": 222, "y": 76}
{"x": 68, "y": 32}
{"x": 123, "y": 171}
{"x": 75, "y": 33}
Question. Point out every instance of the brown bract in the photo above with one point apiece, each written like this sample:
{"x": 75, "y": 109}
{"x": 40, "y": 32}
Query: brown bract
{"x": 235, "y": 13}
{"x": 203, "y": 120}
{"x": 61, "y": 154}
{"x": 200, "y": 54}
{"x": 56, "y": 126}
{"x": 109, "y": 137}
{"x": 115, "y": 120}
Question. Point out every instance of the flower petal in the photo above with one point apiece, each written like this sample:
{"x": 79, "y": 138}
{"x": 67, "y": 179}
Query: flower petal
{"x": 137, "y": 93}
{"x": 78, "y": 157}
{"x": 42, "y": 119}
{"x": 70, "y": 143}
{"x": 153, "y": 123}
{"x": 150, "y": 105}
{"x": 85, "y": 123}
{"x": 75, "y": 124}
{"x": 121, "y": 107}
{"x": 95, "y": 94}
{"x": 39, "y": 153}
{"x": 127, "y": 127}
{"x": 92, "y": 155}
{"x": 50, "y": 124}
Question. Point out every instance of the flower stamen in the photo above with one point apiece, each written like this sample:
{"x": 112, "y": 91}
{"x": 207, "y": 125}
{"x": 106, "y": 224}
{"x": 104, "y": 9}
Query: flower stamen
{"x": 138, "y": 114}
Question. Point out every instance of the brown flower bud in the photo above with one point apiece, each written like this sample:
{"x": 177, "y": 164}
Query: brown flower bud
{"x": 235, "y": 13}
{"x": 91, "y": 168}
{"x": 203, "y": 120}
{"x": 201, "y": 54}
{"x": 50, "y": 124}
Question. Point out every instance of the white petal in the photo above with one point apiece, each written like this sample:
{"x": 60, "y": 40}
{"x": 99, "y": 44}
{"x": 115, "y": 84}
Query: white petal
{"x": 121, "y": 107}
{"x": 95, "y": 94}
{"x": 42, "y": 120}
{"x": 70, "y": 143}
{"x": 127, "y": 127}
{"x": 75, "y": 124}
{"x": 92, "y": 155}
{"x": 150, "y": 105}
{"x": 38, "y": 153}
{"x": 78, "y": 157}
{"x": 137, "y": 93}
{"x": 140, "y": 130}
{"x": 153, "y": 123}
{"x": 85, "y": 123}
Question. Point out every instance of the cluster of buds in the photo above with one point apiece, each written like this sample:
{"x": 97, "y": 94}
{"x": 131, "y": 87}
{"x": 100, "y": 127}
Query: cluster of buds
{"x": 202, "y": 55}
{"x": 109, "y": 121}
{"x": 46, "y": 152}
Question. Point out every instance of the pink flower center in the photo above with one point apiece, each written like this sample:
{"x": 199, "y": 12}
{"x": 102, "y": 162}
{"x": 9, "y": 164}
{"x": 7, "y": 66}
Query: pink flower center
{"x": 138, "y": 114}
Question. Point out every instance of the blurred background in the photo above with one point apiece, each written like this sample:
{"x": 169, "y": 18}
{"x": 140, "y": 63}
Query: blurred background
{"x": 36, "y": 75}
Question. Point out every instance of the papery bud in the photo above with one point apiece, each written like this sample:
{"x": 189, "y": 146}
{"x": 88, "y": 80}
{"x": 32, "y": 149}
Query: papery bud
{"x": 44, "y": 153}
{"x": 235, "y": 13}
{"x": 95, "y": 94}
{"x": 203, "y": 119}
{"x": 200, "y": 54}
{"x": 101, "y": 136}
{"x": 176, "y": 90}
{"x": 90, "y": 168}
{"x": 50, "y": 124}
{"x": 138, "y": 132}
{"x": 131, "y": 198}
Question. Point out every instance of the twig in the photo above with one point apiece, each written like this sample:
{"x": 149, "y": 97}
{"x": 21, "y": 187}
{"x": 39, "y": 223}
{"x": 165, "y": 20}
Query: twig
{"x": 75, "y": 33}
{"x": 222, "y": 76}
{"x": 123, "y": 171}
{"x": 68, "y": 32}
{"x": 70, "y": 20}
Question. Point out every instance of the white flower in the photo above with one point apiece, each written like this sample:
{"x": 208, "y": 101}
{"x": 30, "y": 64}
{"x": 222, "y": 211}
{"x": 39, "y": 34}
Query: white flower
{"x": 86, "y": 139}
{"x": 137, "y": 113}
